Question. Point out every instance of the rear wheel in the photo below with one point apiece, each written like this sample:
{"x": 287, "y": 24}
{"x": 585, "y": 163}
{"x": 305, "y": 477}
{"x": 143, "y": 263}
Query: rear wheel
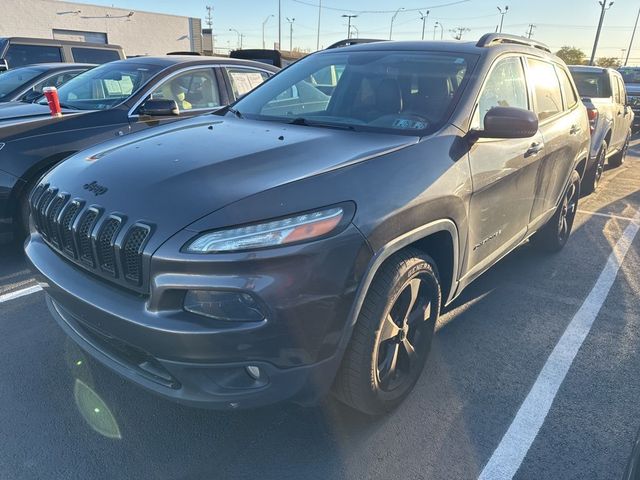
{"x": 392, "y": 337}
{"x": 618, "y": 159}
{"x": 592, "y": 178}
{"x": 554, "y": 235}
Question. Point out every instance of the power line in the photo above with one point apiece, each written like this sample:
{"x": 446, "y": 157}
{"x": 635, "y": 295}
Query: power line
{"x": 324, "y": 7}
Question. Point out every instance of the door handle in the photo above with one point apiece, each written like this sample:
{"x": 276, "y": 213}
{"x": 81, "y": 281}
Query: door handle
{"x": 575, "y": 129}
{"x": 534, "y": 149}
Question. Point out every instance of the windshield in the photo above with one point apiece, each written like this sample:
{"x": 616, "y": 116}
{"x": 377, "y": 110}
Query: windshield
{"x": 105, "y": 86}
{"x": 16, "y": 78}
{"x": 398, "y": 92}
{"x": 630, "y": 75}
{"x": 592, "y": 84}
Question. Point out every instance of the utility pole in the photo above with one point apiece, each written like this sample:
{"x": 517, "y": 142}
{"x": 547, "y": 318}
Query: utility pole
{"x": 502, "y": 14}
{"x": 530, "y": 31}
{"x": 319, "y": 15}
{"x": 605, "y": 7}
{"x": 291, "y": 20}
{"x": 626, "y": 60}
{"x": 279, "y": 24}
{"x": 264, "y": 25}
{"x": 423, "y": 17}
{"x": 349, "y": 17}
{"x": 458, "y": 31}
{"x": 393, "y": 19}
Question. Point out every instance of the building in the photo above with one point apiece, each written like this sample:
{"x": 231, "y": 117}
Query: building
{"x": 137, "y": 32}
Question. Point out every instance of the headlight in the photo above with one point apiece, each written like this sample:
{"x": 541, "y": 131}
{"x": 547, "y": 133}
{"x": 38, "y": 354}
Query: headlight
{"x": 270, "y": 234}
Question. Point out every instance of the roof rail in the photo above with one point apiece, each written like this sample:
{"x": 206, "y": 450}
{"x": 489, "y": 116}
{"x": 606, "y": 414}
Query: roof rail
{"x": 352, "y": 41}
{"x": 490, "y": 39}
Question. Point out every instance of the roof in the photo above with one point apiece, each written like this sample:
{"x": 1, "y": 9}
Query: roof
{"x": 446, "y": 46}
{"x": 170, "y": 60}
{"x": 55, "y": 66}
{"x": 51, "y": 41}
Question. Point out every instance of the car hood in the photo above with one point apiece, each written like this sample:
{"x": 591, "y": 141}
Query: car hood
{"x": 14, "y": 112}
{"x": 171, "y": 176}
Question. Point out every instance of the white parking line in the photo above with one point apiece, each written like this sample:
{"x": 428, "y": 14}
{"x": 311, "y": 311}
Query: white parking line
{"x": 607, "y": 215}
{"x": 20, "y": 293}
{"x": 515, "y": 444}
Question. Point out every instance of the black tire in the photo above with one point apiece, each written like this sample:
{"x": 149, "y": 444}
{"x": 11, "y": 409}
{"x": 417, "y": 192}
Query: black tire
{"x": 554, "y": 235}
{"x": 398, "y": 315}
{"x": 592, "y": 178}
{"x": 618, "y": 159}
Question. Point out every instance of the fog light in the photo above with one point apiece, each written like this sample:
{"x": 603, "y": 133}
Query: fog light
{"x": 253, "y": 371}
{"x": 230, "y": 306}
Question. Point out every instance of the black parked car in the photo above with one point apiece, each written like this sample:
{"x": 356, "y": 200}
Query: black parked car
{"x": 25, "y": 84}
{"x": 286, "y": 245}
{"x": 109, "y": 101}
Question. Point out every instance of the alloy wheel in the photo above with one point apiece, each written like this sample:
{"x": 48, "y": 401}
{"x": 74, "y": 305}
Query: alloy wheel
{"x": 567, "y": 212}
{"x": 404, "y": 339}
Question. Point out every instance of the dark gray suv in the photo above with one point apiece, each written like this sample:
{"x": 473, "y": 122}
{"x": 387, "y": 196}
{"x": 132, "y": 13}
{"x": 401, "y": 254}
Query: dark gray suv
{"x": 301, "y": 240}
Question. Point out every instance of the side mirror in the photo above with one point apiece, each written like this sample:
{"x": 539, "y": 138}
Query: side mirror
{"x": 508, "y": 122}
{"x": 31, "y": 96}
{"x": 4, "y": 65}
{"x": 159, "y": 108}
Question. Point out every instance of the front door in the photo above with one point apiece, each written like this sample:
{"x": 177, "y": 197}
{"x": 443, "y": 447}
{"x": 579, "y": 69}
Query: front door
{"x": 503, "y": 171}
{"x": 195, "y": 91}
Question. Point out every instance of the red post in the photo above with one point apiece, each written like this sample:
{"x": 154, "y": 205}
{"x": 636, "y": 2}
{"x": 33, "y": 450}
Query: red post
{"x": 51, "y": 93}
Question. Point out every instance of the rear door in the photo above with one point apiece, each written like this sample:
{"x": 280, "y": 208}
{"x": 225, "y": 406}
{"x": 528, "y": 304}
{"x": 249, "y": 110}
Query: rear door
{"x": 562, "y": 126}
{"x": 503, "y": 170}
{"x": 622, "y": 114}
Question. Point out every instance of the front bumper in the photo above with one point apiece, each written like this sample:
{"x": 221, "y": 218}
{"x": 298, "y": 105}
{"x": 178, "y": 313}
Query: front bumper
{"x": 308, "y": 290}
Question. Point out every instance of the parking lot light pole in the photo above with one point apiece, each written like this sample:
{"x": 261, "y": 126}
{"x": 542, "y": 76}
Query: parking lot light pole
{"x": 263, "y": 25}
{"x": 423, "y": 17}
{"x": 349, "y": 17}
{"x": 605, "y": 7}
{"x": 239, "y": 42}
{"x": 393, "y": 19}
{"x": 319, "y": 17}
{"x": 279, "y": 24}
{"x": 291, "y": 20}
{"x": 633, "y": 34}
{"x": 502, "y": 14}
{"x": 435, "y": 29}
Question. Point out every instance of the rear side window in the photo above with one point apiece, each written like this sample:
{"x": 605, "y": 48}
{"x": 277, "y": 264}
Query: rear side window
{"x": 18, "y": 55}
{"x": 616, "y": 91}
{"x": 243, "y": 80}
{"x": 570, "y": 97}
{"x": 623, "y": 91}
{"x": 505, "y": 87}
{"x": 94, "y": 55}
{"x": 546, "y": 87}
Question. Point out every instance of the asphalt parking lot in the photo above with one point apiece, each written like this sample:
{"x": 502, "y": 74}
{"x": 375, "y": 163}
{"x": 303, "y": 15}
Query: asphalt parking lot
{"x": 63, "y": 416}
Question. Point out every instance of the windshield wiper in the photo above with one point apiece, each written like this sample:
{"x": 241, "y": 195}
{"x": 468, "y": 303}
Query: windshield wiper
{"x": 304, "y": 122}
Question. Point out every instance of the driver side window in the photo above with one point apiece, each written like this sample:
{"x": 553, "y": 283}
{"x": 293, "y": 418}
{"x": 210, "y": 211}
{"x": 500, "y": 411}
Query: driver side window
{"x": 505, "y": 87}
{"x": 190, "y": 90}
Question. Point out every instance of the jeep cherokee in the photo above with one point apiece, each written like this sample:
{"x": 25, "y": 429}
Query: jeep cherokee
{"x": 299, "y": 241}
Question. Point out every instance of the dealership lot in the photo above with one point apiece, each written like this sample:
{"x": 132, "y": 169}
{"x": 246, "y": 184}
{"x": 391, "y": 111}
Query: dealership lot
{"x": 65, "y": 416}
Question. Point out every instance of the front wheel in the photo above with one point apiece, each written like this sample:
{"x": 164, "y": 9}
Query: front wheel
{"x": 392, "y": 337}
{"x": 554, "y": 235}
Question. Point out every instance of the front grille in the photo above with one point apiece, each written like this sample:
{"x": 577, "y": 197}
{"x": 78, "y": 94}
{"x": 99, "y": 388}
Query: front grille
{"x": 100, "y": 242}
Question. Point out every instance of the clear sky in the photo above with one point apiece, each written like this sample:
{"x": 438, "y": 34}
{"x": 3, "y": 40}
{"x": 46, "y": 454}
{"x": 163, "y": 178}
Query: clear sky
{"x": 558, "y": 22}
